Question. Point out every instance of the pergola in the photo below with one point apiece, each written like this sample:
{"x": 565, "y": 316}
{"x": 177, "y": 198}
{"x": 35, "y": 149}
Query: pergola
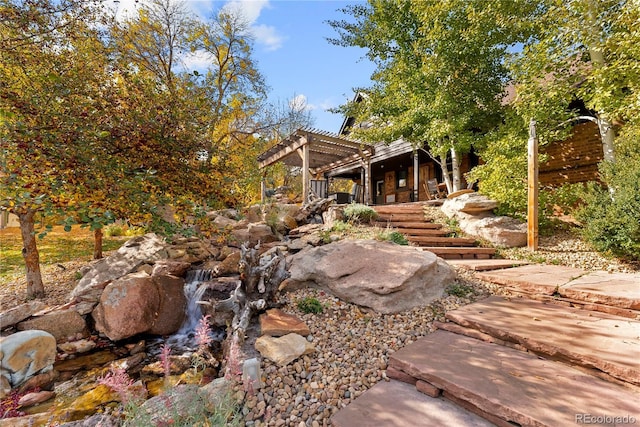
{"x": 318, "y": 152}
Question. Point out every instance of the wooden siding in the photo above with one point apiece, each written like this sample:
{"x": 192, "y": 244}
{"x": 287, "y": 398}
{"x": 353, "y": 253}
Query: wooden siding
{"x": 574, "y": 159}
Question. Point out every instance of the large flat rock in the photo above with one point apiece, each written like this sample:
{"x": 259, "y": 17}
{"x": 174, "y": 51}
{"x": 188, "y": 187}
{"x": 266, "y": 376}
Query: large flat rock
{"x": 614, "y": 289}
{"x": 396, "y": 404}
{"x": 512, "y": 385}
{"x": 537, "y": 278}
{"x": 591, "y": 339}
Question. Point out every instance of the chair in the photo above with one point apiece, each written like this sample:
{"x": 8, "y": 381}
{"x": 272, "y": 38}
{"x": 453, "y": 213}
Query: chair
{"x": 355, "y": 195}
{"x": 432, "y": 189}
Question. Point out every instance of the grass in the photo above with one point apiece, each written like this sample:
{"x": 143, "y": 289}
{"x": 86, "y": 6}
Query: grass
{"x": 56, "y": 247}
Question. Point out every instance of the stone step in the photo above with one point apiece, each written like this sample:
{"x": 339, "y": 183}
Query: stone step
{"x": 599, "y": 341}
{"x": 396, "y": 404}
{"x": 511, "y": 386}
{"x": 620, "y": 290}
{"x": 402, "y": 217}
{"x": 486, "y": 264}
{"x": 442, "y": 241}
{"x": 424, "y": 232}
{"x": 393, "y": 209}
{"x": 412, "y": 225}
{"x": 460, "y": 252}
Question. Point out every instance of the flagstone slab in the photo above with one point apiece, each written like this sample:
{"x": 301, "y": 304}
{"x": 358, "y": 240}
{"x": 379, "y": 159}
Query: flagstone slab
{"x": 512, "y": 385}
{"x": 591, "y": 339}
{"x": 396, "y": 404}
{"x": 615, "y": 289}
{"x": 486, "y": 264}
{"x": 538, "y": 278}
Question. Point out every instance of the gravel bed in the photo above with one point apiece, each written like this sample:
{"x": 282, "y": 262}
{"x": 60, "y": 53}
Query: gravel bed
{"x": 353, "y": 346}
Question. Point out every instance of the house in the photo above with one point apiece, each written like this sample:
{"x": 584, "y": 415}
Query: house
{"x": 397, "y": 172}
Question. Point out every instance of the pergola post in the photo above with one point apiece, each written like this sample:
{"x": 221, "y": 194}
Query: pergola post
{"x": 306, "y": 173}
{"x": 416, "y": 176}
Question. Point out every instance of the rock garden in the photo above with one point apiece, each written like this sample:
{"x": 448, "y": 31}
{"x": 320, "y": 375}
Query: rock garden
{"x": 277, "y": 320}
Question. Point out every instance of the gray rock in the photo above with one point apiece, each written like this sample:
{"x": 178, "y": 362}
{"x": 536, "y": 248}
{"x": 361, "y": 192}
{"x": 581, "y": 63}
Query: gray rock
{"x": 25, "y": 354}
{"x": 17, "y": 314}
{"x": 472, "y": 203}
{"x": 64, "y": 325}
{"x": 500, "y": 230}
{"x": 283, "y": 350}
{"x": 386, "y": 277}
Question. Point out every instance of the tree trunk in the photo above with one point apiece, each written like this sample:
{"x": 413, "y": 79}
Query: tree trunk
{"x": 97, "y": 243}
{"x": 596, "y": 55}
{"x": 445, "y": 173}
{"x": 35, "y": 287}
{"x": 455, "y": 166}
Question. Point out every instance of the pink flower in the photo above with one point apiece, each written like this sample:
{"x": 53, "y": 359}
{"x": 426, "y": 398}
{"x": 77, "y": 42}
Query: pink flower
{"x": 203, "y": 332}
{"x": 165, "y": 359}
{"x": 118, "y": 380}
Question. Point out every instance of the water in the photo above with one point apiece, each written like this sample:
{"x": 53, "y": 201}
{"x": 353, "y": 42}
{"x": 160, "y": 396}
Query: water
{"x": 196, "y": 284}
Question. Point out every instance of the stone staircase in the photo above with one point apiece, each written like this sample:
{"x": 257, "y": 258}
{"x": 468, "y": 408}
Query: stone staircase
{"x": 410, "y": 220}
{"x": 519, "y": 361}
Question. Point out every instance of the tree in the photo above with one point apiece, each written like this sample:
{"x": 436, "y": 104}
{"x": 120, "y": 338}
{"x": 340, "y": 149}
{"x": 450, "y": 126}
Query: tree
{"x": 52, "y": 62}
{"x": 440, "y": 75}
{"x": 580, "y": 49}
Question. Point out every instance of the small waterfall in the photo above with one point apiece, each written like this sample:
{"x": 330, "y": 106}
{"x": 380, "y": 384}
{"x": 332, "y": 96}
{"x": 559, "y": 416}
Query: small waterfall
{"x": 194, "y": 288}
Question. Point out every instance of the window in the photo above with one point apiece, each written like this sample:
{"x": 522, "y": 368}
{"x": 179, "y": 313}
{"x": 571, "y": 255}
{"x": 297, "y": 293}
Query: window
{"x": 402, "y": 179}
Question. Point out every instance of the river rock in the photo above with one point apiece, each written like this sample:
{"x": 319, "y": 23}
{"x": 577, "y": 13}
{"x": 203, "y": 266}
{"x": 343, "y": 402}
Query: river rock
{"x": 283, "y": 350}
{"x": 128, "y": 258}
{"x": 172, "y": 305}
{"x": 127, "y": 307}
{"x": 64, "y": 325}
{"x": 17, "y": 314}
{"x": 386, "y": 277}
{"x": 25, "y": 354}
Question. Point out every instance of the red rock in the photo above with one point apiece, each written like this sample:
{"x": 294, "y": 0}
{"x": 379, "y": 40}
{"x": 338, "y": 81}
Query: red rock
{"x": 428, "y": 389}
{"x": 31, "y": 399}
{"x": 606, "y": 342}
{"x": 397, "y": 374}
{"x": 512, "y": 385}
{"x": 171, "y": 309}
{"x": 615, "y": 289}
{"x": 277, "y": 323}
{"x": 543, "y": 279}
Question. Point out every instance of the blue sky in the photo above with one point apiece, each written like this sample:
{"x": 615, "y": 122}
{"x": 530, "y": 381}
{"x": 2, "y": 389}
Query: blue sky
{"x": 293, "y": 54}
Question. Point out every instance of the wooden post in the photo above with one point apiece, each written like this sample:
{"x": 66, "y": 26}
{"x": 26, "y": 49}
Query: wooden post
{"x": 416, "y": 176}
{"x": 306, "y": 175}
{"x": 532, "y": 189}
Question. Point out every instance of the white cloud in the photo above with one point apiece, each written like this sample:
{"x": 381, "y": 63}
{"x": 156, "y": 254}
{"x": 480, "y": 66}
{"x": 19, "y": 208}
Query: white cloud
{"x": 198, "y": 60}
{"x": 300, "y": 102}
{"x": 250, "y": 10}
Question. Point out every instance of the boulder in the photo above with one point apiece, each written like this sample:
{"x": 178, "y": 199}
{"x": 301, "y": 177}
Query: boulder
{"x": 500, "y": 230}
{"x": 277, "y": 323}
{"x": 332, "y": 214}
{"x": 283, "y": 350}
{"x": 254, "y": 233}
{"x": 472, "y": 203}
{"x": 229, "y": 265}
{"x": 25, "y": 354}
{"x": 170, "y": 267}
{"x": 386, "y": 277}
{"x": 172, "y": 306}
{"x": 128, "y": 258}
{"x": 17, "y": 314}
{"x": 64, "y": 325}
{"x": 127, "y": 307}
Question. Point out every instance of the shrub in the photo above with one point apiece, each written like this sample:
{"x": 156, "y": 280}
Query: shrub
{"x": 611, "y": 218}
{"x": 310, "y": 305}
{"x": 393, "y": 237}
{"x": 357, "y": 212}
{"x": 460, "y": 290}
{"x": 114, "y": 230}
